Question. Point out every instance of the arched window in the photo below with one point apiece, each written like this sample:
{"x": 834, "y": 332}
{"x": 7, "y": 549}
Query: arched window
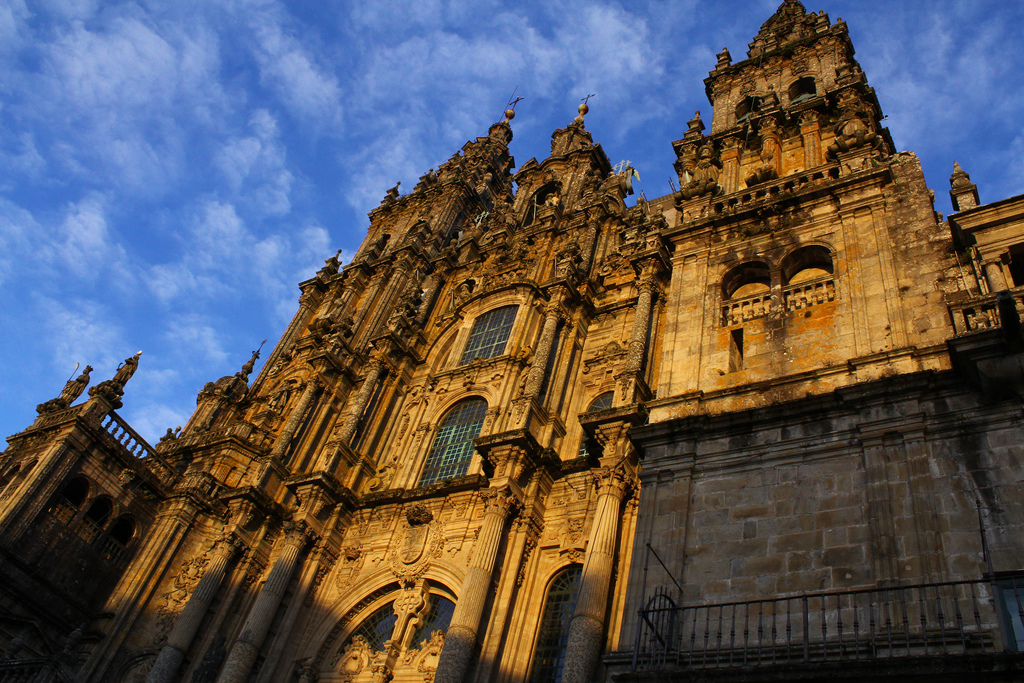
{"x": 76, "y": 491}
{"x": 549, "y": 656}
{"x": 805, "y": 264}
{"x": 746, "y": 293}
{"x": 122, "y": 530}
{"x": 438, "y": 619}
{"x": 452, "y": 449}
{"x": 802, "y": 89}
{"x": 490, "y": 334}
{"x": 807, "y": 276}
{"x": 95, "y": 517}
{"x": 377, "y": 627}
{"x": 746, "y": 107}
{"x": 589, "y": 447}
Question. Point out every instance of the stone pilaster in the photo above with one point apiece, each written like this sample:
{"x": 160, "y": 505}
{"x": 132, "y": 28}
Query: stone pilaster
{"x": 284, "y": 439}
{"x": 460, "y": 638}
{"x": 586, "y": 630}
{"x": 168, "y": 662}
{"x": 246, "y": 648}
{"x": 810, "y": 132}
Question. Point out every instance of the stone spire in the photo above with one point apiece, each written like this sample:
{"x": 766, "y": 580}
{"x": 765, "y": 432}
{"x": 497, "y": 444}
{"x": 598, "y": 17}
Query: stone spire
{"x": 963, "y": 193}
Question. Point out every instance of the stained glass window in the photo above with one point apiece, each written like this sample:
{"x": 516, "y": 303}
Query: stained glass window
{"x": 549, "y": 657}
{"x": 452, "y": 449}
{"x": 490, "y": 334}
{"x": 377, "y": 627}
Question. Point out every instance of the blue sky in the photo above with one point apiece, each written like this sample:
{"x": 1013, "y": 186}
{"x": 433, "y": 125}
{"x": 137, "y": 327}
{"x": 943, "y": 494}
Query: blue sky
{"x": 171, "y": 169}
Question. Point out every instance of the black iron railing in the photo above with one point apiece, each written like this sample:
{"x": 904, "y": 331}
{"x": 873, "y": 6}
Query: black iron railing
{"x": 952, "y": 618}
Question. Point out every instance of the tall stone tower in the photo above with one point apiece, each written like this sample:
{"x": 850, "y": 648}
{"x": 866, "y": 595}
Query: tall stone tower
{"x": 834, "y": 426}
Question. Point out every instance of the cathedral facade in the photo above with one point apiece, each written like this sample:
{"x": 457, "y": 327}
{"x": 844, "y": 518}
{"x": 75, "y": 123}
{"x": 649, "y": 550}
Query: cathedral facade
{"x": 768, "y": 425}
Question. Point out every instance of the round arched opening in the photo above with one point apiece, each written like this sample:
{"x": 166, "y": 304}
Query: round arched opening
{"x": 746, "y": 280}
{"x": 807, "y": 264}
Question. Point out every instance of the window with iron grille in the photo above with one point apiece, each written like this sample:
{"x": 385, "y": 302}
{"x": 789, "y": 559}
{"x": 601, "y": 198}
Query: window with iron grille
{"x": 549, "y": 657}
{"x": 452, "y": 449}
{"x": 490, "y": 334}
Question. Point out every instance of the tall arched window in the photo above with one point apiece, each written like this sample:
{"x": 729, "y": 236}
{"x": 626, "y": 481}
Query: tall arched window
{"x": 452, "y": 449}
{"x": 549, "y": 656}
{"x": 490, "y": 334}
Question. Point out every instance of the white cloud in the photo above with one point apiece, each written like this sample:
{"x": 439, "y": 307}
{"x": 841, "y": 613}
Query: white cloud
{"x": 191, "y": 337}
{"x": 81, "y": 330}
{"x": 255, "y": 167}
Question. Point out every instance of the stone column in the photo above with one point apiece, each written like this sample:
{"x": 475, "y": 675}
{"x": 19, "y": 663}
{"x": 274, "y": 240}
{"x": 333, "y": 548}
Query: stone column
{"x": 641, "y": 323}
{"x": 359, "y": 403}
{"x": 460, "y": 639}
{"x": 246, "y": 648}
{"x": 430, "y": 291}
{"x": 586, "y": 630}
{"x": 535, "y": 380}
{"x": 180, "y": 639}
{"x": 994, "y": 275}
{"x": 284, "y": 439}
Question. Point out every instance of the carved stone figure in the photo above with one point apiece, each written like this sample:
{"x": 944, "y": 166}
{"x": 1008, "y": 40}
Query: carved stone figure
{"x": 74, "y": 388}
{"x": 703, "y": 174}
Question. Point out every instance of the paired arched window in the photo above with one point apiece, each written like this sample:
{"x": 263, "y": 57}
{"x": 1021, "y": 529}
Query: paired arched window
{"x": 452, "y": 450}
{"x": 549, "y": 655}
{"x": 490, "y": 334}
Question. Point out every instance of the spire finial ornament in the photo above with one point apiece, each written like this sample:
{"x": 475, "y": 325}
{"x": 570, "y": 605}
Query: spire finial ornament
{"x": 510, "y": 108}
{"x": 583, "y": 109}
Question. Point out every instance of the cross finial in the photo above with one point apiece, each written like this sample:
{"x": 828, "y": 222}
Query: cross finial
{"x": 510, "y": 108}
{"x": 586, "y": 100}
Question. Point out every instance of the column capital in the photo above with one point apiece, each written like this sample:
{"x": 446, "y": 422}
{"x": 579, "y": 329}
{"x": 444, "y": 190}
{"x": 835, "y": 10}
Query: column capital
{"x": 614, "y": 481}
{"x": 501, "y": 501}
{"x": 297, "y": 533}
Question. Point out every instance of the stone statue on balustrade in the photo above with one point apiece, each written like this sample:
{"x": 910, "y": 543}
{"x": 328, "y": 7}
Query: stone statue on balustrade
{"x": 72, "y": 390}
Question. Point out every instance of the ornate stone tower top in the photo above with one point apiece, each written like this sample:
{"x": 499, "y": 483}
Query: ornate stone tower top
{"x": 789, "y": 23}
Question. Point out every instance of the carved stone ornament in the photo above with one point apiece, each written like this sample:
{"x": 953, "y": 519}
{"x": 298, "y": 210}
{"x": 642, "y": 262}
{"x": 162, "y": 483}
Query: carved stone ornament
{"x": 418, "y": 514}
{"x": 417, "y": 547}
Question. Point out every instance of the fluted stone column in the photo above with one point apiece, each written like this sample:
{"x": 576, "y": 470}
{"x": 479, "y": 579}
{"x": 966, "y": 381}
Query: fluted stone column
{"x": 460, "y": 638}
{"x": 168, "y": 662}
{"x": 284, "y": 439}
{"x": 246, "y": 648}
{"x": 641, "y": 323}
{"x": 535, "y": 380}
{"x": 586, "y": 630}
